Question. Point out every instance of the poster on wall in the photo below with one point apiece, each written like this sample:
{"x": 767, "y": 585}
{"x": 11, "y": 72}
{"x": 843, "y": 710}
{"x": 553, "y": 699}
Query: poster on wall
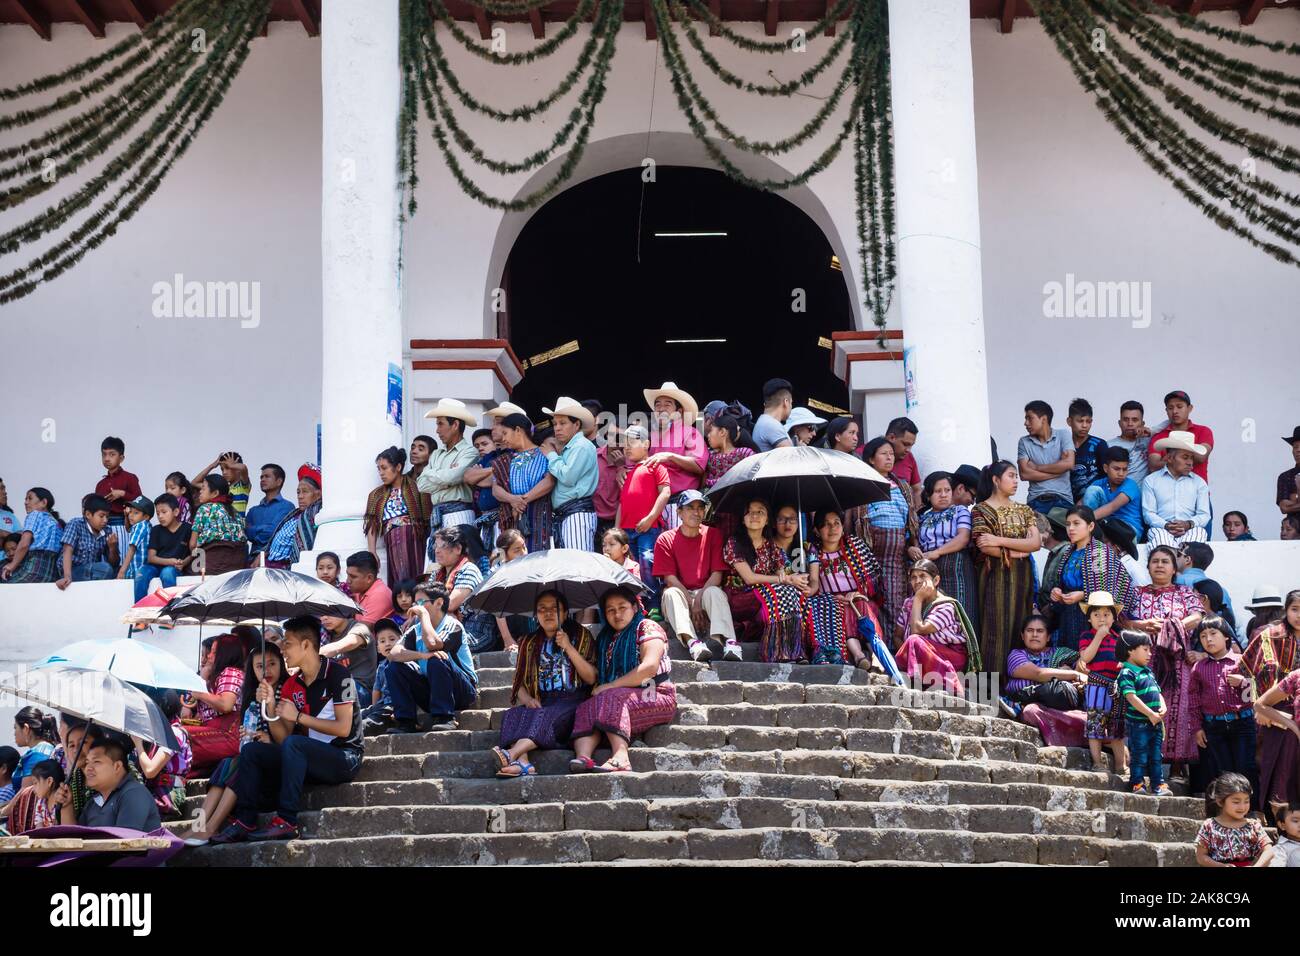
{"x": 394, "y": 394}
{"x": 909, "y": 377}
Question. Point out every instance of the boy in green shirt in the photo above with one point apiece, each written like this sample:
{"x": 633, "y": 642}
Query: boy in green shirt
{"x": 1144, "y": 716}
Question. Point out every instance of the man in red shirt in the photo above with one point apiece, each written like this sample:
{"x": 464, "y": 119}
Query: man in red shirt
{"x": 1178, "y": 407}
{"x": 902, "y": 435}
{"x": 689, "y": 559}
{"x": 118, "y": 486}
{"x": 642, "y": 502}
{"x": 374, "y": 596}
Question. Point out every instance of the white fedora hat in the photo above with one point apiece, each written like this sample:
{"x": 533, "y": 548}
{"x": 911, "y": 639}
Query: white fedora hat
{"x": 572, "y": 409}
{"x": 503, "y": 410}
{"x": 451, "y": 408}
{"x": 690, "y": 408}
{"x": 1180, "y": 441}
{"x": 1266, "y": 595}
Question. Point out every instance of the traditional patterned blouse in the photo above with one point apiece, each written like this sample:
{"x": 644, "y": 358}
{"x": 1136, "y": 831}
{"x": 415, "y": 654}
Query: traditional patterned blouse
{"x": 229, "y": 681}
{"x": 1171, "y": 601}
{"x": 891, "y": 515}
{"x": 768, "y": 560}
{"x": 834, "y": 576}
{"x": 527, "y": 468}
{"x": 942, "y": 615}
{"x": 938, "y": 528}
{"x": 1268, "y": 659}
{"x": 1241, "y": 844}
{"x": 1012, "y": 521}
{"x": 213, "y": 523}
{"x": 720, "y": 463}
{"x": 45, "y": 532}
{"x": 555, "y": 670}
{"x": 396, "y": 514}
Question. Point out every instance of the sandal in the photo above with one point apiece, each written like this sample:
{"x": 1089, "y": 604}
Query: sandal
{"x": 863, "y": 663}
{"x": 1100, "y": 768}
{"x": 582, "y": 765}
{"x": 611, "y": 768}
{"x": 517, "y": 768}
{"x": 502, "y": 756}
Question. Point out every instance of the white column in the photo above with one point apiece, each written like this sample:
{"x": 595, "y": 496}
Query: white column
{"x": 937, "y": 199}
{"x": 361, "y": 322}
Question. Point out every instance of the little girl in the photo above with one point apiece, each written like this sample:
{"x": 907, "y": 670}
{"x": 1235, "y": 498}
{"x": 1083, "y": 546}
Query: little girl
{"x": 1097, "y": 659}
{"x": 220, "y": 798}
{"x": 34, "y": 808}
{"x": 327, "y": 569}
{"x": 177, "y": 484}
{"x": 1231, "y": 836}
{"x": 1287, "y": 850}
{"x": 163, "y": 769}
{"x": 403, "y": 598}
{"x": 618, "y": 548}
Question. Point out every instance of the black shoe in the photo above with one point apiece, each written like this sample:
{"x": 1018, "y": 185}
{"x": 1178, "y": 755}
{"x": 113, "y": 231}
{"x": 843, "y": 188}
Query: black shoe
{"x": 401, "y": 726}
{"x": 278, "y": 829}
{"x": 234, "y": 832}
{"x": 379, "y": 722}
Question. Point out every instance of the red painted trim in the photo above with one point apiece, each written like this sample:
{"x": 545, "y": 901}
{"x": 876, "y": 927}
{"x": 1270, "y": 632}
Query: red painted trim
{"x": 865, "y": 336}
{"x": 470, "y": 344}
{"x": 437, "y": 365}
{"x": 873, "y": 357}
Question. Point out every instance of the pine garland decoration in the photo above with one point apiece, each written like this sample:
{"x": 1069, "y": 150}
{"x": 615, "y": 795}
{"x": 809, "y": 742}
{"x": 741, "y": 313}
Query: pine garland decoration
{"x": 542, "y": 50}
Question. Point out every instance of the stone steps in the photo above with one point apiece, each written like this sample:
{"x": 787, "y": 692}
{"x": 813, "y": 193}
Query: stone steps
{"x": 858, "y": 844}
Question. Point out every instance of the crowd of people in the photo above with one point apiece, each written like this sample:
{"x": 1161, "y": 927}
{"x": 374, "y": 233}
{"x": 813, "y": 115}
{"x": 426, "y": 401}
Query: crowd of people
{"x": 939, "y": 573}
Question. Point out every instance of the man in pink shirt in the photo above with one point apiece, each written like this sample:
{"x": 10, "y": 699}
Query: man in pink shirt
{"x": 902, "y": 435}
{"x": 676, "y": 443}
{"x": 372, "y": 594}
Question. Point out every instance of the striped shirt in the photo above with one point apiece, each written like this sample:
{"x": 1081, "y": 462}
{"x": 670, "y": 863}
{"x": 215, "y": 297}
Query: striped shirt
{"x": 239, "y": 497}
{"x": 138, "y": 537}
{"x": 1139, "y": 681}
{"x": 891, "y": 514}
{"x": 940, "y": 527}
{"x": 943, "y": 616}
{"x": 527, "y": 468}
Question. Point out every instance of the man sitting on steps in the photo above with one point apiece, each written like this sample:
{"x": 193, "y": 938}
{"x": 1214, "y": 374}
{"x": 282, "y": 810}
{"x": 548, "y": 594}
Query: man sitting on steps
{"x": 689, "y": 559}
{"x": 446, "y": 682}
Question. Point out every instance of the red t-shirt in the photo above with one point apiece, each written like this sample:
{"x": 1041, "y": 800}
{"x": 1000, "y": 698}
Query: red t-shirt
{"x": 1203, "y": 437}
{"x": 640, "y": 489}
{"x": 908, "y": 470}
{"x": 376, "y": 603}
{"x": 690, "y": 560}
{"x": 123, "y": 480}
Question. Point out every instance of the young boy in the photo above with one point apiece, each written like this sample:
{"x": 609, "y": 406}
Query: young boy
{"x": 118, "y": 486}
{"x": 1045, "y": 456}
{"x": 378, "y": 715}
{"x": 139, "y": 512}
{"x": 1088, "y": 448}
{"x": 89, "y": 551}
{"x": 485, "y": 503}
{"x": 317, "y": 737}
{"x": 235, "y": 472}
{"x": 1214, "y": 694}
{"x": 1144, "y": 716}
{"x": 641, "y": 504}
{"x": 1116, "y": 495}
{"x": 1178, "y": 406}
{"x": 1135, "y": 438}
{"x": 1097, "y": 659}
{"x": 169, "y": 546}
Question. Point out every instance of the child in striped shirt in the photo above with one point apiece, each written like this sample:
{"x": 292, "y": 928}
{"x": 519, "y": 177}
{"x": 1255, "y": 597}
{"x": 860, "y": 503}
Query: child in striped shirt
{"x": 1145, "y": 715}
{"x": 139, "y": 513}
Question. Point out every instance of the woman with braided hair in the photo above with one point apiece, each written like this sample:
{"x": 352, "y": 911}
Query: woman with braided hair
{"x": 553, "y": 675}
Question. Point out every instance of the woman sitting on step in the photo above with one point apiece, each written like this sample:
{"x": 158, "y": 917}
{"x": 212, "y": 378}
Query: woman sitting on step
{"x": 634, "y": 689}
{"x": 552, "y": 677}
{"x": 940, "y": 641}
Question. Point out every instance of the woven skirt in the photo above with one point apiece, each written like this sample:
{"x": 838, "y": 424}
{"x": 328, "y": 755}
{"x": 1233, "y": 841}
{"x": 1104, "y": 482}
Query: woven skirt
{"x": 404, "y": 547}
{"x": 1105, "y": 720}
{"x": 626, "y": 711}
{"x": 39, "y": 567}
{"x": 549, "y": 726}
{"x": 890, "y": 547}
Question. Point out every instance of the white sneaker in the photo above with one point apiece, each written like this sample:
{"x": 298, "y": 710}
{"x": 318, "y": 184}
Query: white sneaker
{"x": 197, "y": 841}
{"x": 731, "y": 652}
{"x": 700, "y": 651}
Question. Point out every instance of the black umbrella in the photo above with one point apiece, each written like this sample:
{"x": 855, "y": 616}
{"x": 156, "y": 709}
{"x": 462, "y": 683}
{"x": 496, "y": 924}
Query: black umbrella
{"x": 580, "y": 577}
{"x": 809, "y": 478}
{"x": 275, "y": 593}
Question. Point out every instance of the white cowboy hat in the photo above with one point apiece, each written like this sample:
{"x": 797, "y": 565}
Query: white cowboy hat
{"x": 690, "y": 408}
{"x": 1180, "y": 441}
{"x": 503, "y": 410}
{"x": 1266, "y": 595}
{"x": 451, "y": 408}
{"x": 570, "y": 408}
{"x": 802, "y": 416}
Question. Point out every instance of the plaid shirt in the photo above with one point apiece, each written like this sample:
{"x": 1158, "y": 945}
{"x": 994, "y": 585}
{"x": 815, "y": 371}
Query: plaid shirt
{"x": 87, "y": 546}
{"x": 138, "y": 536}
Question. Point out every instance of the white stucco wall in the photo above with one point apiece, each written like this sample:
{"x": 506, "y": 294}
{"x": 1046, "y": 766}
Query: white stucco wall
{"x": 1059, "y": 193}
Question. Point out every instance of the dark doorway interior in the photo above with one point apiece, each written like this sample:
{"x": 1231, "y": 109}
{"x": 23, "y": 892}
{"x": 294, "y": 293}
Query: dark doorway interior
{"x": 574, "y": 274}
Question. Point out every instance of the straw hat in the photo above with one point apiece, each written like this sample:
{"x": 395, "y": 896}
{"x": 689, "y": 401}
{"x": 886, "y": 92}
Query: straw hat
{"x": 1180, "y": 441}
{"x": 571, "y": 408}
{"x": 690, "y": 408}
{"x": 1098, "y": 599}
{"x": 504, "y": 409}
{"x": 451, "y": 408}
{"x": 1265, "y": 596}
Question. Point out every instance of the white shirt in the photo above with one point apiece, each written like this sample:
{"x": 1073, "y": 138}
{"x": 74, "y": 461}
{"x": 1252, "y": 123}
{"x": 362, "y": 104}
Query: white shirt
{"x": 1166, "y": 498}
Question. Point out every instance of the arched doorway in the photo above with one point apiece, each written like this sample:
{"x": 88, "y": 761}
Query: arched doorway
{"x": 611, "y": 264}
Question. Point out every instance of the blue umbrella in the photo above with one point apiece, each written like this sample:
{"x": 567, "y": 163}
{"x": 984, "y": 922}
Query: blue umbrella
{"x": 881, "y": 650}
{"x": 132, "y": 661}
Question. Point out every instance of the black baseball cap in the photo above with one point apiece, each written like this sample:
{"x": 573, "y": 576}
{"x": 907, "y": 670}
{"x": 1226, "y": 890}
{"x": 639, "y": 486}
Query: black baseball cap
{"x": 141, "y": 504}
{"x": 1180, "y": 395}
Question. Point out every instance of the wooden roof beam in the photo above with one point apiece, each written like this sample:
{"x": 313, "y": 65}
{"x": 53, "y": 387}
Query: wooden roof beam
{"x": 648, "y": 15}
{"x": 538, "y": 25}
{"x": 830, "y": 27}
{"x": 773, "y": 17}
{"x": 715, "y": 6}
{"x": 484, "y": 27}
{"x": 1194, "y": 8}
{"x": 1250, "y": 13}
{"x": 306, "y": 17}
{"x": 87, "y": 18}
{"x": 1008, "y": 15}
{"x": 34, "y": 17}
{"x": 140, "y": 14}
